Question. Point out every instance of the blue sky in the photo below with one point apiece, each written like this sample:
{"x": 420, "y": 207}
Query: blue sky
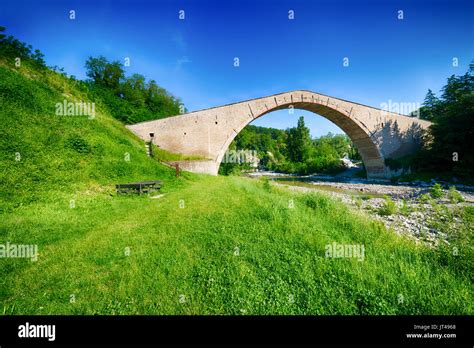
{"x": 389, "y": 58}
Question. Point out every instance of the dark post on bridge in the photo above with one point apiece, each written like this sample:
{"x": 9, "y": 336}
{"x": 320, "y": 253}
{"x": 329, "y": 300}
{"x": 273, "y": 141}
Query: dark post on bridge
{"x": 152, "y": 135}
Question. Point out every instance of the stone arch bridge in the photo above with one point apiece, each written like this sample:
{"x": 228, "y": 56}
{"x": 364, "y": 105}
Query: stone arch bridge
{"x": 207, "y": 133}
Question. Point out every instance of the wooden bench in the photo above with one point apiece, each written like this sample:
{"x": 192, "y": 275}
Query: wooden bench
{"x": 139, "y": 187}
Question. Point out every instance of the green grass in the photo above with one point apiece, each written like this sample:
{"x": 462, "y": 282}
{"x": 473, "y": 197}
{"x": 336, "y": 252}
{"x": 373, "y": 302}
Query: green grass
{"x": 166, "y": 156}
{"x": 388, "y": 207}
{"x": 454, "y": 195}
{"x": 210, "y": 245}
{"x": 190, "y": 251}
{"x": 405, "y": 209}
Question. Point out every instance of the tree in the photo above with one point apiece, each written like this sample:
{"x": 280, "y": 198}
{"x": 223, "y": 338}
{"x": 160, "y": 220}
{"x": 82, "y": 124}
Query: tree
{"x": 453, "y": 128}
{"x": 340, "y": 142}
{"x": 133, "y": 90}
{"x": 38, "y": 57}
{"x": 2, "y": 36}
{"x": 105, "y": 74}
{"x": 13, "y": 48}
{"x": 114, "y": 74}
{"x": 430, "y": 106}
{"x": 298, "y": 142}
{"x": 447, "y": 143}
{"x": 95, "y": 69}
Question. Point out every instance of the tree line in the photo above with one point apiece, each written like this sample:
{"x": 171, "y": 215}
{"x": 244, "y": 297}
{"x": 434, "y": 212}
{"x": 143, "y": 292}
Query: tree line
{"x": 448, "y": 143}
{"x": 130, "y": 99}
{"x": 18, "y": 51}
{"x": 292, "y": 150}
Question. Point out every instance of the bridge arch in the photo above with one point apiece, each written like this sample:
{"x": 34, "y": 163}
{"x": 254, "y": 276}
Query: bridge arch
{"x": 370, "y": 154}
{"x": 207, "y": 133}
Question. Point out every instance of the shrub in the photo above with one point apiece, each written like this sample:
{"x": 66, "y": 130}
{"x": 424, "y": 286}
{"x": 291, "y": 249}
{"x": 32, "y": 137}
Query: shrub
{"x": 388, "y": 207}
{"x": 436, "y": 191}
{"x": 266, "y": 183}
{"x": 317, "y": 202}
{"x": 77, "y": 143}
{"x": 405, "y": 209}
{"x": 454, "y": 195}
{"x": 468, "y": 214}
{"x": 424, "y": 198}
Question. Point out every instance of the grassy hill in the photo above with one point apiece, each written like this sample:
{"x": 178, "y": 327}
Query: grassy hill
{"x": 210, "y": 245}
{"x": 43, "y": 152}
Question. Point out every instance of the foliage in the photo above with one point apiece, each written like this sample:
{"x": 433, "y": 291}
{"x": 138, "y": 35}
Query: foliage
{"x": 16, "y": 51}
{"x": 233, "y": 168}
{"x": 454, "y": 195}
{"x": 447, "y": 146}
{"x": 317, "y": 202}
{"x": 298, "y": 142}
{"x": 388, "y": 207}
{"x": 78, "y": 143}
{"x": 266, "y": 183}
{"x": 403, "y": 162}
{"x": 130, "y": 99}
{"x": 405, "y": 208}
{"x": 284, "y": 151}
{"x": 436, "y": 191}
{"x": 103, "y": 73}
{"x": 429, "y": 107}
{"x": 424, "y": 198}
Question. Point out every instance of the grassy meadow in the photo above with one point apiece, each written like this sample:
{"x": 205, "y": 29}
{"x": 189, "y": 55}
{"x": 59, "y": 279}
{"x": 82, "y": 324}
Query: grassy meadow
{"x": 219, "y": 246}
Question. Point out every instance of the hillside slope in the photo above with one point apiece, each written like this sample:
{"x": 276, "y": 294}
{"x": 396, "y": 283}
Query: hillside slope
{"x": 41, "y": 151}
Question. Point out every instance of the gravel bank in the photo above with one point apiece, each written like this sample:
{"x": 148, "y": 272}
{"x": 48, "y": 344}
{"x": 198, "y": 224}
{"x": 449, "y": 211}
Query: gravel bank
{"x": 425, "y": 221}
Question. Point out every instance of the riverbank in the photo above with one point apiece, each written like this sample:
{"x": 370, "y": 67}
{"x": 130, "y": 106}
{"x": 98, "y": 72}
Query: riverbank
{"x": 414, "y": 213}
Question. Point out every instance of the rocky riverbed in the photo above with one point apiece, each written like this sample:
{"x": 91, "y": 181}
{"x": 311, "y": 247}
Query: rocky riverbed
{"x": 407, "y": 210}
